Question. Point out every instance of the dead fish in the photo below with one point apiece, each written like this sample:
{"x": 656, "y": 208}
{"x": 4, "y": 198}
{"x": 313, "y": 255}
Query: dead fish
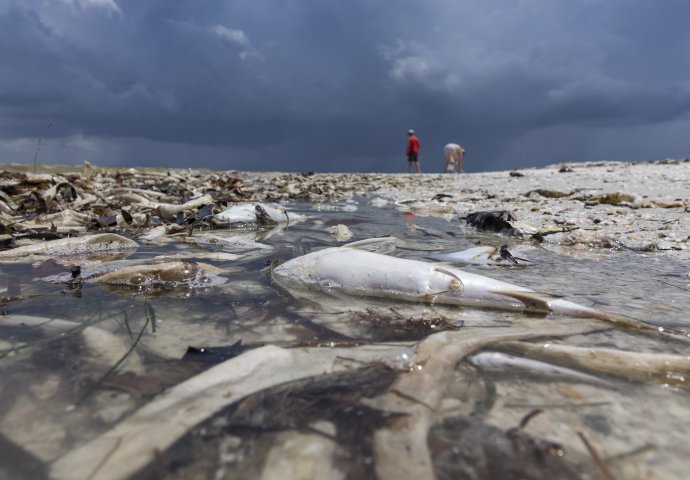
{"x": 258, "y": 214}
{"x": 353, "y": 271}
{"x": 103, "y": 242}
{"x": 636, "y": 365}
{"x": 64, "y": 218}
{"x": 168, "y": 272}
{"x": 169, "y": 212}
{"x": 237, "y": 242}
{"x": 481, "y": 256}
{"x": 171, "y": 273}
{"x": 503, "y": 361}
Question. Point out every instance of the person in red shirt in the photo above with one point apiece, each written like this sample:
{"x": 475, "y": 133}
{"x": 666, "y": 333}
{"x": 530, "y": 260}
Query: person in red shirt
{"x": 412, "y": 151}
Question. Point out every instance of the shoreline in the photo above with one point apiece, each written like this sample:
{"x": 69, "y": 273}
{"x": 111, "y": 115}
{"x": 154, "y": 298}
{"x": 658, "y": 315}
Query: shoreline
{"x": 638, "y": 206}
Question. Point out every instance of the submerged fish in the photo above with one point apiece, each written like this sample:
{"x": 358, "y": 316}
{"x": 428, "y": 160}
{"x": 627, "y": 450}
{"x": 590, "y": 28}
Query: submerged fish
{"x": 672, "y": 368}
{"x": 171, "y": 273}
{"x": 503, "y": 361}
{"x": 351, "y": 270}
{"x": 481, "y": 256}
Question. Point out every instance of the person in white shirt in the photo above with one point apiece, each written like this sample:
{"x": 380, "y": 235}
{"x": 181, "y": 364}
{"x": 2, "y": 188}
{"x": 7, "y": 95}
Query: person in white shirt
{"x": 453, "y": 153}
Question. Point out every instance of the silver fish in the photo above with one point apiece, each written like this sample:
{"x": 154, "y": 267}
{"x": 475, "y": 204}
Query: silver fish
{"x": 503, "y": 361}
{"x": 353, "y": 271}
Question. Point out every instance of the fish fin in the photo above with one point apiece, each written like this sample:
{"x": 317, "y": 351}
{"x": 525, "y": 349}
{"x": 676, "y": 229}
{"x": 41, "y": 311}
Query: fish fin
{"x": 533, "y": 301}
{"x": 456, "y": 284}
{"x": 371, "y": 241}
{"x": 447, "y": 272}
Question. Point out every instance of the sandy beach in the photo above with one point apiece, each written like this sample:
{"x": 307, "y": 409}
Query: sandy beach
{"x": 643, "y": 206}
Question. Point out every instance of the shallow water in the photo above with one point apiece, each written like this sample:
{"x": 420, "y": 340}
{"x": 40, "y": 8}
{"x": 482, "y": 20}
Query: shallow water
{"x": 58, "y": 392}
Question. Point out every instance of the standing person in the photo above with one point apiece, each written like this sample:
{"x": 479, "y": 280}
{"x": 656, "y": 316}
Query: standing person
{"x": 453, "y": 153}
{"x": 412, "y": 151}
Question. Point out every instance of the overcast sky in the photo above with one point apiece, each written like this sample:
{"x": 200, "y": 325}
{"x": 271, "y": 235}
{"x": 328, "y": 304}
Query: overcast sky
{"x": 333, "y": 85}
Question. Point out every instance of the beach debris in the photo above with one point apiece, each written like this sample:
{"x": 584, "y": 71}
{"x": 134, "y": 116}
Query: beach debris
{"x": 98, "y": 243}
{"x": 441, "y": 197}
{"x": 482, "y": 256}
{"x": 543, "y": 192}
{"x": 340, "y": 232}
{"x": 632, "y": 201}
{"x": 494, "y": 221}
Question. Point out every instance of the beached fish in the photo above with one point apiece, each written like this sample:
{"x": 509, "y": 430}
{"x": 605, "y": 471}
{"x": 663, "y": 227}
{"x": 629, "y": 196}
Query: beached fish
{"x": 353, "y": 271}
{"x": 172, "y": 273}
{"x": 258, "y": 214}
{"x": 103, "y": 242}
{"x": 481, "y": 256}
{"x": 503, "y": 361}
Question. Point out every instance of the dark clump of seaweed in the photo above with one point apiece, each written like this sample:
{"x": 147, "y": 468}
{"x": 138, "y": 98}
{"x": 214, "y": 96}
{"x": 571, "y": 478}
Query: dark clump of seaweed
{"x": 391, "y": 326}
{"x": 466, "y": 448}
{"x": 493, "y": 221}
{"x": 253, "y": 423}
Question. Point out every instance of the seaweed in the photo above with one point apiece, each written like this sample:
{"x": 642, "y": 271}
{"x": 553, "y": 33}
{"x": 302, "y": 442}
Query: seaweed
{"x": 392, "y": 326}
{"x": 493, "y": 221}
{"x": 297, "y": 406}
{"x": 466, "y": 448}
{"x": 150, "y": 319}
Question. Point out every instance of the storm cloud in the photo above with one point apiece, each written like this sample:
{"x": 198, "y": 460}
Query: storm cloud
{"x": 326, "y": 85}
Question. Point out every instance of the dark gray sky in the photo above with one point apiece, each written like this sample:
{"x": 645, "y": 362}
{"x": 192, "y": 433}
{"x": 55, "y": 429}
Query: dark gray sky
{"x": 333, "y": 85}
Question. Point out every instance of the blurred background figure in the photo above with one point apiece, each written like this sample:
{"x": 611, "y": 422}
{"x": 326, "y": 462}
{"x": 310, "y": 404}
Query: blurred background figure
{"x": 412, "y": 151}
{"x": 454, "y": 154}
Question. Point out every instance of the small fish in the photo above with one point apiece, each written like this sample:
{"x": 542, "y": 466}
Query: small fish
{"x": 257, "y": 214}
{"x": 103, "y": 242}
{"x": 503, "y": 361}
